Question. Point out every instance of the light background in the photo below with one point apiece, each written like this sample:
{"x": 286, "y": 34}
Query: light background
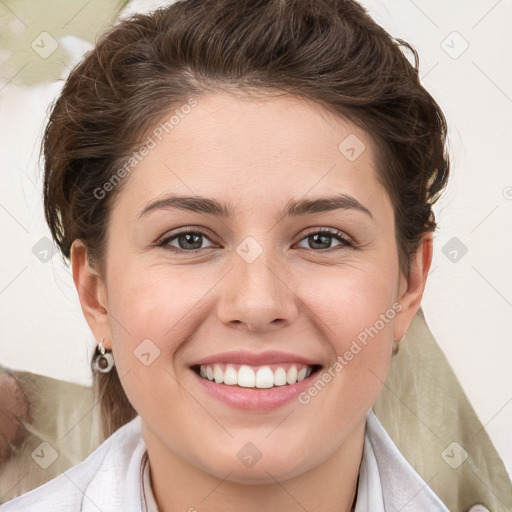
{"x": 468, "y": 299}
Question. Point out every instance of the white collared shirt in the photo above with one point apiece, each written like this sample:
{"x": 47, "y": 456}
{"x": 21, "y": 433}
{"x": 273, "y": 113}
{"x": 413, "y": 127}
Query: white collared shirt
{"x": 113, "y": 477}
{"x": 387, "y": 482}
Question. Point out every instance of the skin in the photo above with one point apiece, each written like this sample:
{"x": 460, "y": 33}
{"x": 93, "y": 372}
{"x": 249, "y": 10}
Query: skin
{"x": 255, "y": 155}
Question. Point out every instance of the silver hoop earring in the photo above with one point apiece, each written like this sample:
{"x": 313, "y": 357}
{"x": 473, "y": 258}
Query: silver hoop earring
{"x": 103, "y": 361}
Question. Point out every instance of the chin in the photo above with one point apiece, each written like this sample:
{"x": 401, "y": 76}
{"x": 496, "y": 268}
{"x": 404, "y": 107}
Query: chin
{"x": 258, "y": 469}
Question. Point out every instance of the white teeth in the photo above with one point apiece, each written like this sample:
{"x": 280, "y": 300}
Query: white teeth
{"x": 291, "y": 376}
{"x": 248, "y": 377}
{"x": 279, "y": 377}
{"x": 230, "y": 376}
{"x": 218, "y": 374}
{"x": 264, "y": 377}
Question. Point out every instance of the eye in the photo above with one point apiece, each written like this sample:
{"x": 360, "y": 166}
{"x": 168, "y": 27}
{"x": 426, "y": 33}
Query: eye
{"x": 321, "y": 239}
{"x": 191, "y": 240}
{"x": 187, "y": 240}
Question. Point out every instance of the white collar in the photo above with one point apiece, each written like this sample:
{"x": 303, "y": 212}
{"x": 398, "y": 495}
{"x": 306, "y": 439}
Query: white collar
{"x": 387, "y": 482}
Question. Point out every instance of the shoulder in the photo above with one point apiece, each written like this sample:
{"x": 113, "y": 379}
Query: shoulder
{"x": 83, "y": 486}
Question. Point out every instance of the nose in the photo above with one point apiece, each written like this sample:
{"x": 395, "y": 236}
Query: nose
{"x": 257, "y": 295}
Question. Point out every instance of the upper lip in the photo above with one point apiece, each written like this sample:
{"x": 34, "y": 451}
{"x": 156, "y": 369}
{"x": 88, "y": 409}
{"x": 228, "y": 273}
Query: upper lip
{"x": 256, "y": 359}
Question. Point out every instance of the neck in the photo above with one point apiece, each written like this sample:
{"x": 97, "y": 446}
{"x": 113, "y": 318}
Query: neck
{"x": 330, "y": 486}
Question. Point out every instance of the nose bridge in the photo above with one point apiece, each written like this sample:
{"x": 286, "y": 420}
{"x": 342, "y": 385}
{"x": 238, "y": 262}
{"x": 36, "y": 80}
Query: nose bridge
{"x": 258, "y": 269}
{"x": 257, "y": 293}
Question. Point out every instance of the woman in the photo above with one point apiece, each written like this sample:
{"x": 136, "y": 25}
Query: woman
{"x": 245, "y": 192}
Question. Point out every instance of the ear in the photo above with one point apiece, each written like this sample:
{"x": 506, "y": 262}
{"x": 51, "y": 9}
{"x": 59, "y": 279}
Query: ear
{"x": 91, "y": 292}
{"x": 411, "y": 288}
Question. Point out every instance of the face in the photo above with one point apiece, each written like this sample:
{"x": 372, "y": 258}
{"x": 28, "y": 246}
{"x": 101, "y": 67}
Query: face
{"x": 266, "y": 280}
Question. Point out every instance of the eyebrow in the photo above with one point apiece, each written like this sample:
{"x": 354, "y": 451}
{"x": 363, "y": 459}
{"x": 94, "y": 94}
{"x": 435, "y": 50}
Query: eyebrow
{"x": 200, "y": 204}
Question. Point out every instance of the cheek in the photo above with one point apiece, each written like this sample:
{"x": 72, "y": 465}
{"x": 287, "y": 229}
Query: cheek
{"x": 153, "y": 311}
{"x": 357, "y": 309}
{"x": 353, "y": 299}
{"x": 142, "y": 354}
{"x": 153, "y": 303}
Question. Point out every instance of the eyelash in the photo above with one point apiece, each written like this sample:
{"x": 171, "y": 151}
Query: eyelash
{"x": 340, "y": 236}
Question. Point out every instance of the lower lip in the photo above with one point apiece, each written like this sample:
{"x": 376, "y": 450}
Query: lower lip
{"x": 255, "y": 399}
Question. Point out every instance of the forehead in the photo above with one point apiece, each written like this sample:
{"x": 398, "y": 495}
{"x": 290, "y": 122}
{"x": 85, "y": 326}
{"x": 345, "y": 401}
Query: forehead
{"x": 255, "y": 151}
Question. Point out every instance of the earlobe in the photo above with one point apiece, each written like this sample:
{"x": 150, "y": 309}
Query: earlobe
{"x": 412, "y": 287}
{"x": 91, "y": 292}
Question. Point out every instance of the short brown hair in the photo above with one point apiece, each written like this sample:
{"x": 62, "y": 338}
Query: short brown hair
{"x": 328, "y": 51}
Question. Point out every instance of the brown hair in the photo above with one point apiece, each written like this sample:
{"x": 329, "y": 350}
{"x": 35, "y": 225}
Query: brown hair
{"x": 327, "y": 51}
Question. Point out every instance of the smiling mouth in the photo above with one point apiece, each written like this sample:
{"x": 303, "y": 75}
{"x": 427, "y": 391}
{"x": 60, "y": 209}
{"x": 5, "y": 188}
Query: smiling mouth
{"x": 256, "y": 377}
